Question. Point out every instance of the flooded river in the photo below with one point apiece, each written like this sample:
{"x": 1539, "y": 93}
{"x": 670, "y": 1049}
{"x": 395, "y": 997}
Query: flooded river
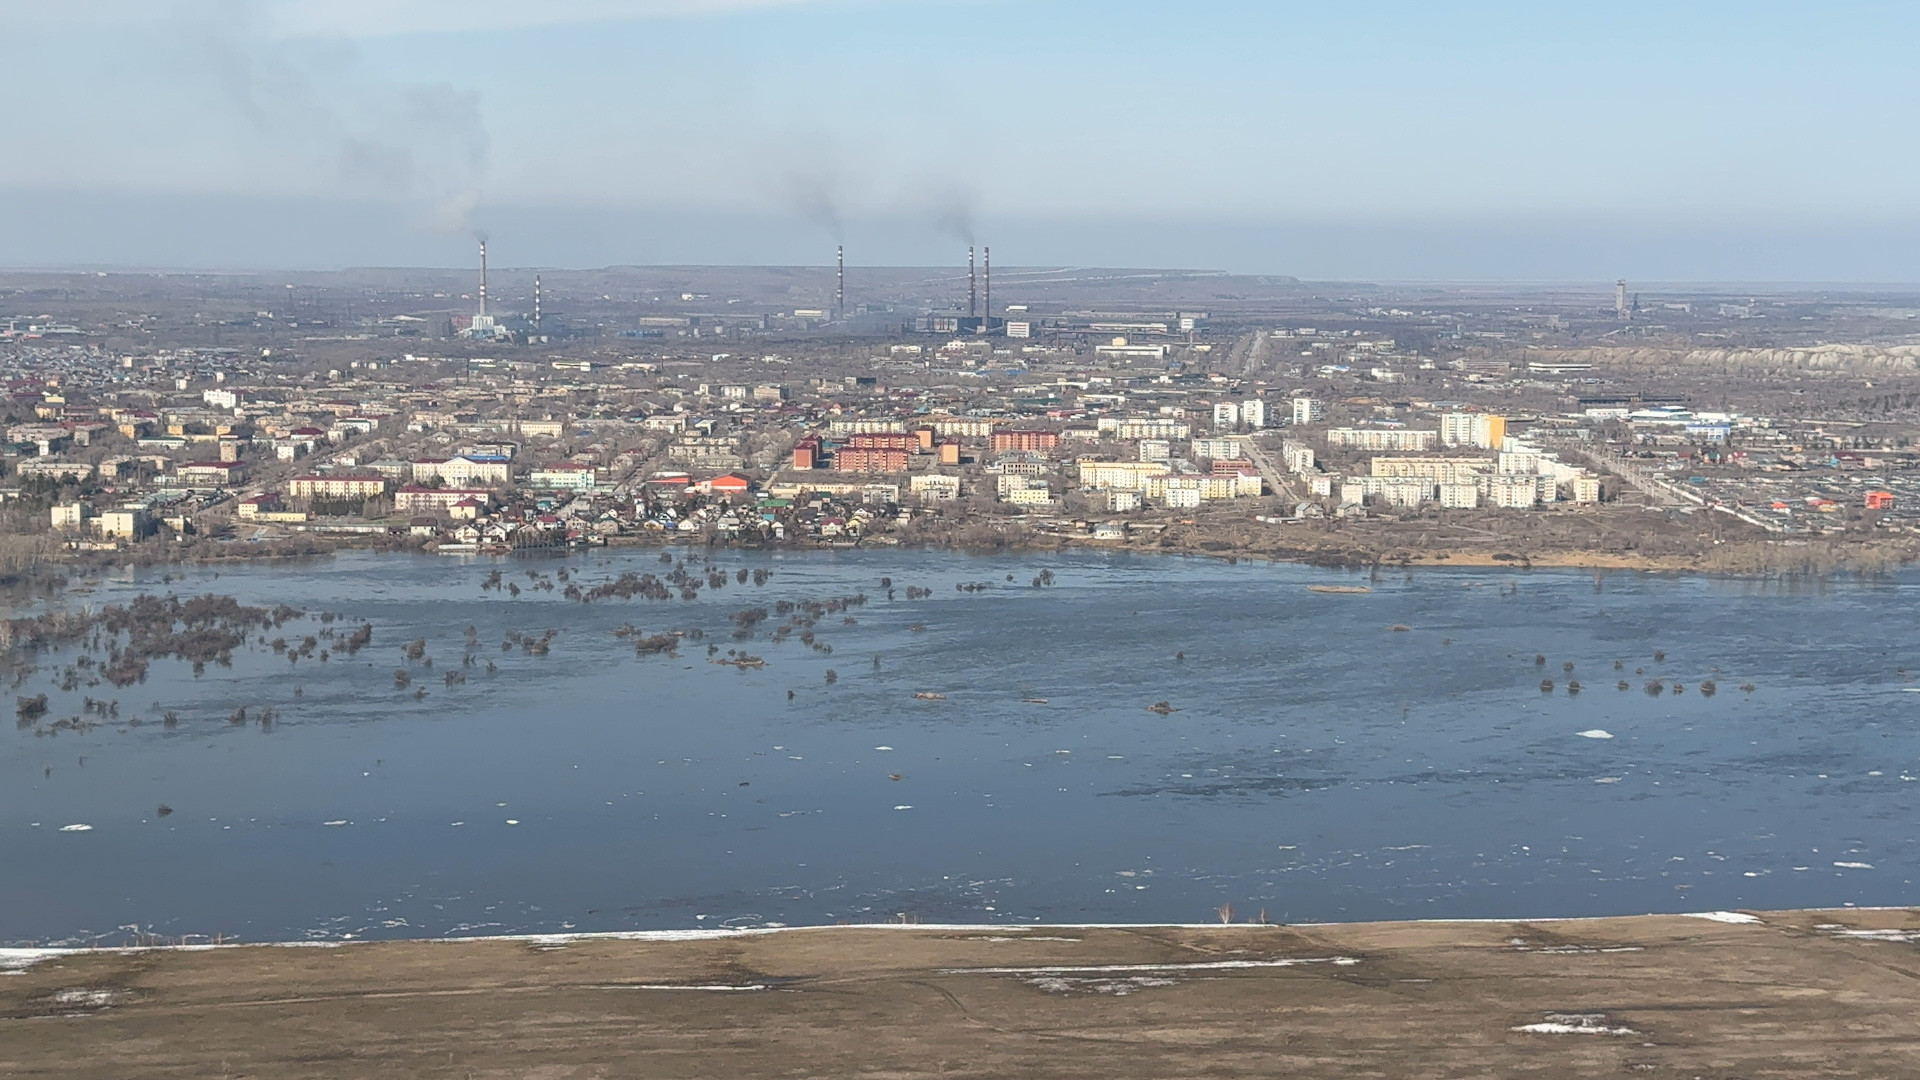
{"x": 1320, "y": 757}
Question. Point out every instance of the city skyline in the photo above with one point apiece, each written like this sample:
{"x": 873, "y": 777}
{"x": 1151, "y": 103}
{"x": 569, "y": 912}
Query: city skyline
{"x": 1488, "y": 141}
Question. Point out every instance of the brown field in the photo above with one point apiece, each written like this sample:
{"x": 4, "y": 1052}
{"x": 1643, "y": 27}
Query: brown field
{"x": 1658, "y": 996}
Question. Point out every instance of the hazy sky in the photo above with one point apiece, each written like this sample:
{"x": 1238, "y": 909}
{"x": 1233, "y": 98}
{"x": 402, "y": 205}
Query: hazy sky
{"x": 1386, "y": 139}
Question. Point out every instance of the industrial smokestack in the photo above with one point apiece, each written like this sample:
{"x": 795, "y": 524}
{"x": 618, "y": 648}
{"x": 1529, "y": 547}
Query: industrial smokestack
{"x": 536, "y": 303}
{"x": 840, "y": 282}
{"x": 483, "y": 278}
{"x": 986, "y": 260}
{"x": 972, "y": 290}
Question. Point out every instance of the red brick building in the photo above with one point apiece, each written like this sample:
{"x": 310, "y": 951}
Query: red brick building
{"x": 1025, "y": 440}
{"x": 884, "y": 441}
{"x": 870, "y": 459}
{"x": 806, "y": 454}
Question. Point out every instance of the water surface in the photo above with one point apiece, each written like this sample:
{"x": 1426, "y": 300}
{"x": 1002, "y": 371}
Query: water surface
{"x": 1321, "y": 764}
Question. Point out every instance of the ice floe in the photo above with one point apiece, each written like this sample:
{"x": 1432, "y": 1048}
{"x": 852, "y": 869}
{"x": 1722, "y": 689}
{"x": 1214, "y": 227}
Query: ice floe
{"x": 1595, "y": 733}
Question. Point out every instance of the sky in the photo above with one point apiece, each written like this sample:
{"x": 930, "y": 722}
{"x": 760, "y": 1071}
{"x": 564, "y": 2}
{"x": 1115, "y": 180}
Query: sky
{"x": 1366, "y": 139}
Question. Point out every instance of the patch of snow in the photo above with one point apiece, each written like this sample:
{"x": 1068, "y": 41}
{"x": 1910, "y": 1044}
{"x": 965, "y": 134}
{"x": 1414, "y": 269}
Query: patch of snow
{"x": 1903, "y": 936}
{"x": 17, "y": 961}
{"x": 1119, "y": 969}
{"x": 1575, "y": 1024}
{"x": 719, "y": 988}
{"x": 1740, "y": 917}
{"x": 1055, "y": 984}
{"x": 1854, "y": 865}
{"x": 83, "y": 998}
{"x": 76, "y": 828}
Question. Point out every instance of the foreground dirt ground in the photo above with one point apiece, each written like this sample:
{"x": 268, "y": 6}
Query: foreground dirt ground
{"x": 1792, "y": 994}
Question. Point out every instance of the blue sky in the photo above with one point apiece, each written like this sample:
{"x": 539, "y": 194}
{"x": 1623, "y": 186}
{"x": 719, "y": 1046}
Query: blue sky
{"x": 1754, "y": 141}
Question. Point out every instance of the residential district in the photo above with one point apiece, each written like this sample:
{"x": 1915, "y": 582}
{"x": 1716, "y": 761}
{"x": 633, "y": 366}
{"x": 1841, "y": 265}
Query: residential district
{"x": 150, "y": 412}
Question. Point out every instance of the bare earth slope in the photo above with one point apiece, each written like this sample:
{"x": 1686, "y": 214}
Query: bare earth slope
{"x": 1794, "y": 994}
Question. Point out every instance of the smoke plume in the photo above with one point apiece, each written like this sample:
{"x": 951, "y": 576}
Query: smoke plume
{"x": 952, "y": 213}
{"x": 813, "y": 196}
{"x": 362, "y": 134}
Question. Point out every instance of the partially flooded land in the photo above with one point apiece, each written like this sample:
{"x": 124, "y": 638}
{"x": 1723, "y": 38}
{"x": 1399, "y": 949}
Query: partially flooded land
{"x": 420, "y": 747}
{"x": 1769, "y": 994}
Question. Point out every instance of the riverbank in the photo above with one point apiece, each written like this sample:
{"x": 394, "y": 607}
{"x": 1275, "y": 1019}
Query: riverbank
{"x": 1772, "y": 994}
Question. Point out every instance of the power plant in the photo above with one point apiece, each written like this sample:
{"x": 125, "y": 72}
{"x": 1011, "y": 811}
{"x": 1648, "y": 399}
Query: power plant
{"x": 484, "y": 327}
{"x": 986, "y": 265}
{"x": 972, "y": 293}
{"x": 978, "y": 318}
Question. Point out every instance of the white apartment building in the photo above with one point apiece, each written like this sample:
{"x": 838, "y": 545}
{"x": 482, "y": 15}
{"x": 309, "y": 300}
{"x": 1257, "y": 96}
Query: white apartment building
{"x": 462, "y": 472}
{"x": 1230, "y": 415}
{"x": 1478, "y": 430}
{"x": 1297, "y": 456}
{"x": 1400, "y": 492}
{"x": 1511, "y": 492}
{"x": 1181, "y": 497}
{"x": 1441, "y": 470}
{"x": 1209, "y": 487}
{"x": 1308, "y": 410}
{"x": 1124, "y": 475}
{"x": 935, "y": 487}
{"x": 1460, "y": 496}
{"x": 1029, "y": 493}
{"x": 1010, "y": 482}
{"x": 867, "y": 425}
{"x": 968, "y": 427}
{"x": 1383, "y": 439}
{"x": 1520, "y": 462}
{"x": 1143, "y": 427}
{"x": 1018, "y": 466}
{"x": 1156, "y": 450}
{"x": 1230, "y": 447}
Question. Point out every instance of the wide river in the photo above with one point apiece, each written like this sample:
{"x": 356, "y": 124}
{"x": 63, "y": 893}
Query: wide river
{"x": 1331, "y": 757}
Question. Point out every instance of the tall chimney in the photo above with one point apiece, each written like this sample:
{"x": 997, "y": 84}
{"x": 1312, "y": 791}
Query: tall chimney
{"x": 536, "y": 303}
{"x": 986, "y": 261}
{"x": 972, "y": 291}
{"x": 483, "y": 278}
{"x": 840, "y": 281}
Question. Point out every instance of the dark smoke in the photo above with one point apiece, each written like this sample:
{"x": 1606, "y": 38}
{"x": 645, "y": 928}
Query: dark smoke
{"x": 812, "y": 196}
{"x": 952, "y": 214}
{"x": 421, "y": 143}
